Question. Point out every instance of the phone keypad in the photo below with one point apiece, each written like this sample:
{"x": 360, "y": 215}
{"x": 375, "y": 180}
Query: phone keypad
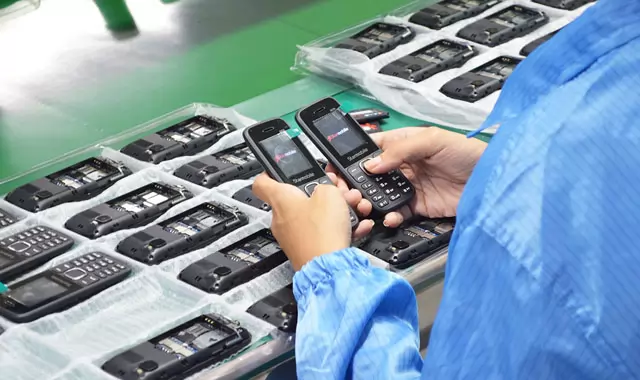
{"x": 35, "y": 241}
{"x": 90, "y": 268}
{"x": 6, "y": 219}
{"x": 384, "y": 189}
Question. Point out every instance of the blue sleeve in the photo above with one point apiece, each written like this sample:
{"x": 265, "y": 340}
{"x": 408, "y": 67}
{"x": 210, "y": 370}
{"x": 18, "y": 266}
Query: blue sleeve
{"x": 355, "y": 321}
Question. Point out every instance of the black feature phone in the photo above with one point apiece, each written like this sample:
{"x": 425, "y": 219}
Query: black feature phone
{"x": 278, "y": 308}
{"x": 61, "y": 287}
{"x": 30, "y": 248}
{"x": 347, "y": 147}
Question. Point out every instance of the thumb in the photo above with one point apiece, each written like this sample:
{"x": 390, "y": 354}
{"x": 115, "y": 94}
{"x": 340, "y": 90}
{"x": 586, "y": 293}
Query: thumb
{"x": 273, "y": 192}
{"x": 417, "y": 147}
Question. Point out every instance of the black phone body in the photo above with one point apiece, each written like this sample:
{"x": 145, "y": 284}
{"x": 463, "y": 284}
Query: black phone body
{"x": 533, "y": 45}
{"x": 181, "y": 351}
{"x": 235, "y": 264}
{"x": 30, "y": 248}
{"x": 368, "y": 115}
{"x": 247, "y": 196}
{"x": 61, "y": 287}
{"x": 503, "y": 26}
{"x": 430, "y": 60}
{"x": 134, "y": 209}
{"x": 377, "y": 39}
{"x": 286, "y": 159}
{"x": 6, "y": 219}
{"x": 567, "y": 5}
{"x": 183, "y": 139}
{"x": 278, "y": 308}
{"x": 183, "y": 233}
{"x": 78, "y": 182}
{"x": 237, "y": 162}
{"x": 481, "y": 81}
{"x": 447, "y": 12}
{"x": 412, "y": 242}
{"x": 347, "y": 147}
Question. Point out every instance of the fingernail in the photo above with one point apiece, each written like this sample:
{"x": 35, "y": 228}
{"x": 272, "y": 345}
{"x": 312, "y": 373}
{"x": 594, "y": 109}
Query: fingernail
{"x": 373, "y": 223}
{"x": 385, "y": 224}
{"x": 371, "y": 164}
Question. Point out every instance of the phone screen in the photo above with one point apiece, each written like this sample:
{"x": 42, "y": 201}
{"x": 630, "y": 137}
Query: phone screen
{"x": 340, "y": 133}
{"x": 37, "y": 291}
{"x": 286, "y": 155}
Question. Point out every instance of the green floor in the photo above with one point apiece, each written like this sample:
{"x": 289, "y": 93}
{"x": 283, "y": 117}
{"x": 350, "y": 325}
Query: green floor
{"x": 67, "y": 82}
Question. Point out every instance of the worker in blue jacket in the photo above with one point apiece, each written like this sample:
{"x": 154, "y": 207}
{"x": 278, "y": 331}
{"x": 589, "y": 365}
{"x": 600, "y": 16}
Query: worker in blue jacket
{"x": 543, "y": 274}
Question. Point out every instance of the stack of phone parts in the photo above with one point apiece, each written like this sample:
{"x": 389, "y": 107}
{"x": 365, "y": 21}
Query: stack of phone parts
{"x": 82, "y": 283}
{"x": 438, "y": 76}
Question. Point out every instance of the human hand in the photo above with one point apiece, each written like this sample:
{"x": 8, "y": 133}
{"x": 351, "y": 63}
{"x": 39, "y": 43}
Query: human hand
{"x": 437, "y": 162}
{"x": 306, "y": 227}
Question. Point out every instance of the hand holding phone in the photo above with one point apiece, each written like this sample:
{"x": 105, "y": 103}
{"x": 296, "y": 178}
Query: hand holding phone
{"x": 347, "y": 147}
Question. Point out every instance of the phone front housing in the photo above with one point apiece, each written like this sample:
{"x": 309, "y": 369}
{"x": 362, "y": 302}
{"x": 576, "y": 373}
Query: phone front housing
{"x": 286, "y": 159}
{"x": 78, "y": 182}
{"x": 182, "y": 351}
{"x": 183, "y": 233}
{"x": 134, "y": 209}
{"x": 348, "y": 148}
{"x": 61, "y": 287}
{"x": 235, "y": 264}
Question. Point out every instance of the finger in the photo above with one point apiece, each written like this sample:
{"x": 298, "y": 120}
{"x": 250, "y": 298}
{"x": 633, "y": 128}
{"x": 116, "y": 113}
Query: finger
{"x": 396, "y": 218}
{"x": 364, "y": 208}
{"x": 273, "y": 192}
{"x": 326, "y": 194}
{"x": 364, "y": 228}
{"x": 331, "y": 169}
{"x": 353, "y": 198}
{"x": 342, "y": 185}
{"x": 418, "y": 145}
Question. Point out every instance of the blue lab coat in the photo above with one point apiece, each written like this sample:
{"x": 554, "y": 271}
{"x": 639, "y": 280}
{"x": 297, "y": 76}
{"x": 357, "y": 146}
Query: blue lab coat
{"x": 543, "y": 277}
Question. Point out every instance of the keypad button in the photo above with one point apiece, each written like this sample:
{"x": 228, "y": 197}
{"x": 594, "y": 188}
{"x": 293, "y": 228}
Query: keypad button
{"x": 377, "y": 198}
{"x": 50, "y": 244}
{"x": 43, "y": 246}
{"x": 378, "y": 178}
{"x": 19, "y": 246}
{"x": 325, "y": 181}
{"x": 41, "y": 229}
{"x": 366, "y": 185}
{"x": 395, "y": 178}
{"x": 395, "y": 197}
{"x": 108, "y": 272}
{"x": 39, "y": 239}
{"x": 46, "y": 236}
{"x": 406, "y": 190}
{"x": 63, "y": 238}
{"x": 27, "y": 234}
{"x": 361, "y": 179}
{"x": 101, "y": 275}
{"x": 11, "y": 239}
{"x": 75, "y": 274}
{"x": 83, "y": 260}
{"x": 383, "y": 184}
{"x": 390, "y": 190}
{"x": 58, "y": 269}
{"x": 354, "y": 169}
{"x": 102, "y": 263}
{"x": 90, "y": 258}
{"x": 97, "y": 255}
{"x": 120, "y": 266}
{"x": 372, "y": 191}
{"x": 21, "y": 236}
{"x": 93, "y": 278}
{"x": 89, "y": 269}
{"x": 4, "y": 243}
{"x": 96, "y": 266}
{"x": 76, "y": 263}
{"x": 310, "y": 187}
{"x": 114, "y": 269}
{"x": 57, "y": 241}
{"x": 53, "y": 233}
{"x": 66, "y": 266}
{"x": 33, "y": 241}
{"x": 109, "y": 261}
{"x": 402, "y": 183}
{"x": 383, "y": 203}
{"x": 33, "y": 231}
{"x": 35, "y": 251}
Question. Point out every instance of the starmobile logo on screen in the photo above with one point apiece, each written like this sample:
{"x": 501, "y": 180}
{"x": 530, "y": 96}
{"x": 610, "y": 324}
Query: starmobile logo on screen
{"x": 340, "y": 132}
{"x": 279, "y": 157}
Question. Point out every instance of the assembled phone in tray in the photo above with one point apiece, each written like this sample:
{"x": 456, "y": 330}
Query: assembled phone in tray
{"x": 6, "y": 219}
{"x": 185, "y": 138}
{"x": 481, "y": 81}
{"x": 430, "y": 60}
{"x": 182, "y": 351}
{"x": 410, "y": 243}
{"x": 61, "y": 287}
{"x": 503, "y": 26}
{"x": 348, "y": 147}
{"x": 533, "y": 45}
{"x": 447, "y": 12}
{"x": 377, "y": 39}
{"x": 286, "y": 159}
{"x": 246, "y": 196}
{"x": 278, "y": 308}
{"x": 30, "y": 248}
{"x": 235, "y": 264}
{"x": 78, "y": 182}
{"x": 567, "y": 5}
{"x": 183, "y": 233}
{"x": 134, "y": 209}
{"x": 237, "y": 162}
